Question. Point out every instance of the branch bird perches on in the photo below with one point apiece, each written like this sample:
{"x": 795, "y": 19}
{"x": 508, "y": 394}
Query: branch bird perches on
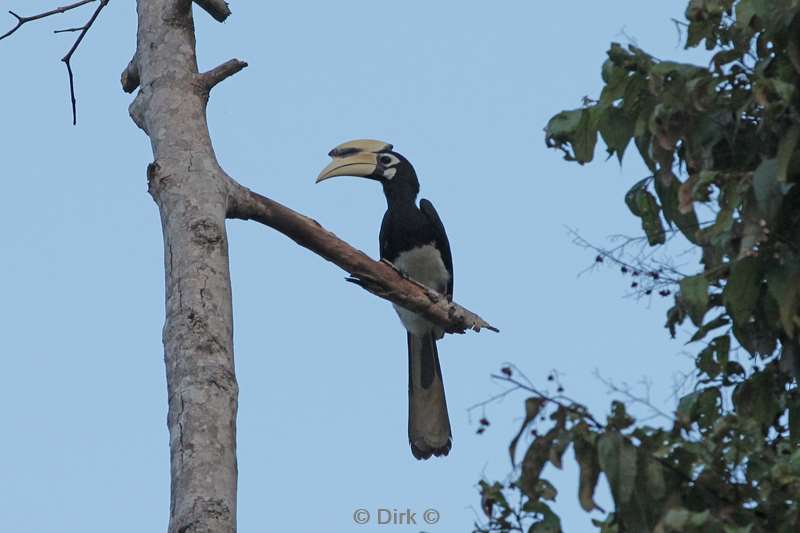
{"x": 380, "y": 278}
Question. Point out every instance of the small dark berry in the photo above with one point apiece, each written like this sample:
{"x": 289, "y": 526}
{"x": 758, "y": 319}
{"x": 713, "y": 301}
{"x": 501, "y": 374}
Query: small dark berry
{"x": 550, "y": 377}
{"x": 480, "y": 430}
{"x": 506, "y": 370}
{"x": 484, "y": 422}
{"x": 598, "y": 259}
{"x": 635, "y": 273}
{"x": 624, "y": 270}
{"x": 634, "y": 285}
{"x": 560, "y": 389}
{"x": 649, "y": 291}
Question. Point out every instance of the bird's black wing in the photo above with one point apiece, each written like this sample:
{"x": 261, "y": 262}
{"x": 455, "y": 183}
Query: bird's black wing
{"x": 383, "y": 237}
{"x": 440, "y": 236}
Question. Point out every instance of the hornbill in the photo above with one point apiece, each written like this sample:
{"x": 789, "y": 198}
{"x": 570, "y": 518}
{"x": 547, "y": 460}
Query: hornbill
{"x": 412, "y": 239}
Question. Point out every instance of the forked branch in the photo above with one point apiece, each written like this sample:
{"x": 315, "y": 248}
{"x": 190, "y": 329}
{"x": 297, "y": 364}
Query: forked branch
{"x": 66, "y": 59}
{"x": 82, "y": 29}
{"x": 378, "y": 277}
{"x": 56, "y": 11}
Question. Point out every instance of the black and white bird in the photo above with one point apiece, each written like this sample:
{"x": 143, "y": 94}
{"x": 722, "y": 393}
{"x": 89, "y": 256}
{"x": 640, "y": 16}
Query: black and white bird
{"x": 413, "y": 239}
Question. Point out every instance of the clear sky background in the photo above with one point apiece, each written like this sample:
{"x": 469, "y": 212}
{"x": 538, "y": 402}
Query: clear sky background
{"x": 463, "y": 89}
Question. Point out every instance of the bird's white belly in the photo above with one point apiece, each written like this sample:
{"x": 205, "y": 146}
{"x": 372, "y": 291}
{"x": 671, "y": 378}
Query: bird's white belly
{"x": 425, "y": 265}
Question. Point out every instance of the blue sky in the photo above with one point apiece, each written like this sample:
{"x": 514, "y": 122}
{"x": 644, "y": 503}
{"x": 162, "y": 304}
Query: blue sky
{"x": 463, "y": 89}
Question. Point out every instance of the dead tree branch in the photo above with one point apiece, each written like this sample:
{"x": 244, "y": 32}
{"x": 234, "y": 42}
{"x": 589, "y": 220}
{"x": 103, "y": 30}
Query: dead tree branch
{"x": 219, "y": 73}
{"x": 67, "y": 58}
{"x": 378, "y": 277}
{"x": 22, "y": 20}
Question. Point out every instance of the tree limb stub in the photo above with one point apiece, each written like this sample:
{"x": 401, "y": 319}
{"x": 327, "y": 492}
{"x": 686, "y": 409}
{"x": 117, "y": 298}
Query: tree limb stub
{"x": 380, "y": 278}
{"x": 130, "y": 76}
{"x": 221, "y": 72}
{"x": 216, "y": 8}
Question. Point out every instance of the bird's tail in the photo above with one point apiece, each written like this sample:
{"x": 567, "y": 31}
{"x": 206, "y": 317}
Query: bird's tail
{"x": 428, "y": 423}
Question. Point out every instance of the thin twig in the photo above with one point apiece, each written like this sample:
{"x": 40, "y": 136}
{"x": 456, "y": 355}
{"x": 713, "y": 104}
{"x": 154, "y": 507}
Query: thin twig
{"x": 66, "y": 59}
{"x": 22, "y": 20}
{"x": 65, "y": 30}
{"x": 574, "y": 407}
{"x": 625, "y": 390}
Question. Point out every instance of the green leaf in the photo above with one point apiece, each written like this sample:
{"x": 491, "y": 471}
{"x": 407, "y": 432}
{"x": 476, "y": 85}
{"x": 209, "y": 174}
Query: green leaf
{"x": 736, "y": 529}
{"x": 563, "y": 125}
{"x": 585, "y": 137}
{"x": 616, "y": 128}
{"x": 618, "y": 460}
{"x": 667, "y": 187}
{"x": 672, "y": 68}
{"x": 532, "y": 408}
{"x": 558, "y": 448}
{"x": 546, "y": 490}
{"x": 741, "y": 292}
{"x": 576, "y": 128}
{"x": 786, "y": 150}
{"x": 656, "y": 485}
{"x": 784, "y": 287}
{"x": 757, "y": 398}
{"x": 694, "y": 294}
{"x": 550, "y": 522}
{"x": 586, "y": 457}
{"x": 676, "y": 519}
{"x": 767, "y": 189}
{"x": 644, "y": 205}
{"x": 708, "y": 326}
{"x": 794, "y": 419}
{"x": 687, "y": 406}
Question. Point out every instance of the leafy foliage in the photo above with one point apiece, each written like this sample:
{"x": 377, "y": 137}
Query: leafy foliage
{"x": 721, "y": 144}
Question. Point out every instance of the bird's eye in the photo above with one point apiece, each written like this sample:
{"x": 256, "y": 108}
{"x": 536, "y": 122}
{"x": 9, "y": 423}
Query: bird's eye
{"x": 385, "y": 160}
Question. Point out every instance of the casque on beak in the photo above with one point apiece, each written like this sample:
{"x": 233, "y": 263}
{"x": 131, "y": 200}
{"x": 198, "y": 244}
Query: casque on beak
{"x": 354, "y": 158}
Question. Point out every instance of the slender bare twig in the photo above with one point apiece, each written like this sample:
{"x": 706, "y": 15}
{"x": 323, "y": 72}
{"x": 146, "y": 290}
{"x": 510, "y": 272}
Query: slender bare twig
{"x": 66, "y": 59}
{"x": 626, "y": 391}
{"x": 22, "y": 20}
{"x": 66, "y": 30}
{"x": 82, "y": 29}
{"x": 492, "y": 399}
{"x": 573, "y": 406}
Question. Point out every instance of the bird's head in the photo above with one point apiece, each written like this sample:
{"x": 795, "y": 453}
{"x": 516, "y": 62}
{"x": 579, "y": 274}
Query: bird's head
{"x": 374, "y": 160}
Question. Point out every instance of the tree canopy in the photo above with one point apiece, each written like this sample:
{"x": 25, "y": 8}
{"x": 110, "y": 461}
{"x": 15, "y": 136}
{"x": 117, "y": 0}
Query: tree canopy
{"x": 720, "y": 142}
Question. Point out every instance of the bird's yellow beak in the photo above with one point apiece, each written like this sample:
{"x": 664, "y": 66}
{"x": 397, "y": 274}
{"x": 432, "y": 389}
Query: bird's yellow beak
{"x": 359, "y": 164}
{"x": 354, "y": 158}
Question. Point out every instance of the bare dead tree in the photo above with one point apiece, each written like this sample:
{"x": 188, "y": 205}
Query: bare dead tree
{"x": 195, "y": 197}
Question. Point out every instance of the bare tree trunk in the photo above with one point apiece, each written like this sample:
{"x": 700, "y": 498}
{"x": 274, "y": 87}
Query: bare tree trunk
{"x": 191, "y": 192}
